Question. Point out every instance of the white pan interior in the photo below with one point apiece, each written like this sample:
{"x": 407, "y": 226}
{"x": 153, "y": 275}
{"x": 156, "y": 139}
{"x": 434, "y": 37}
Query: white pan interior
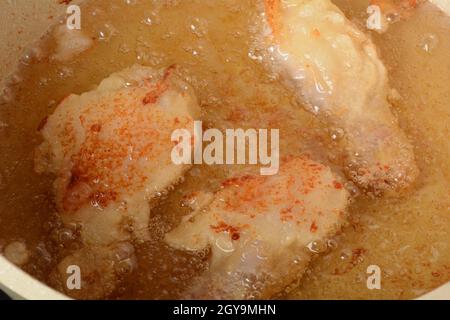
{"x": 22, "y": 22}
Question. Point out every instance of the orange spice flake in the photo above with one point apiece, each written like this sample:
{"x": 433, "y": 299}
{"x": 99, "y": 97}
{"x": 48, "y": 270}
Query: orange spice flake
{"x": 337, "y": 185}
{"x": 315, "y": 32}
{"x": 223, "y": 227}
{"x": 155, "y": 93}
{"x": 238, "y": 181}
{"x": 286, "y": 214}
{"x": 313, "y": 227}
{"x": 161, "y": 86}
{"x": 273, "y": 11}
{"x": 96, "y": 128}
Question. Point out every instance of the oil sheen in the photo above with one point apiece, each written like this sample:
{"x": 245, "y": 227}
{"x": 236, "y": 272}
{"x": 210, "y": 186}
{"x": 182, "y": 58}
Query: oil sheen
{"x": 407, "y": 235}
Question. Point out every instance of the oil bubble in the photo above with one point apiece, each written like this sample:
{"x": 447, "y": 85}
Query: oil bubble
{"x": 429, "y": 42}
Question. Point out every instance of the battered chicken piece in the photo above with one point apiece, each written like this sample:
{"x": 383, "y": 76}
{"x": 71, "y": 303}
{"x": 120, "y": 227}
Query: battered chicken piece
{"x": 262, "y": 229}
{"x": 110, "y": 150}
{"x": 334, "y": 69}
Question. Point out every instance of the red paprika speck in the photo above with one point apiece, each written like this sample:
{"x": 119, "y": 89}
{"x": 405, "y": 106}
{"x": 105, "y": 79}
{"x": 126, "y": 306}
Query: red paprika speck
{"x": 338, "y": 185}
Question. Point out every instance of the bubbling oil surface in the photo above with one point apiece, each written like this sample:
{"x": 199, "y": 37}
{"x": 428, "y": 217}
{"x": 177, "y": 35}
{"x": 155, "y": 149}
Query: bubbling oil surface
{"x": 407, "y": 236}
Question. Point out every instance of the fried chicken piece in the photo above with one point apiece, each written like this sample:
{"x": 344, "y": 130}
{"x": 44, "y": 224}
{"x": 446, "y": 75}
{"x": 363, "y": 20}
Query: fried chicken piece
{"x": 334, "y": 70}
{"x": 259, "y": 228}
{"x": 110, "y": 150}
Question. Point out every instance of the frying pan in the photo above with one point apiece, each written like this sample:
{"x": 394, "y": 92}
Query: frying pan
{"x": 21, "y": 23}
